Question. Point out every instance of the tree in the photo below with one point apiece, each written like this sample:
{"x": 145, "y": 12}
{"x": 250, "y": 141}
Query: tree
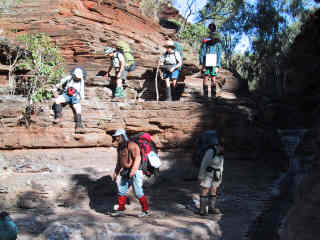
{"x": 44, "y": 62}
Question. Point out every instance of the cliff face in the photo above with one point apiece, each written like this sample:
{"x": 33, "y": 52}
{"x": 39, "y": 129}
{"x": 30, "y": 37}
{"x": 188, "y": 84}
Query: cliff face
{"x": 302, "y": 221}
{"x": 82, "y": 28}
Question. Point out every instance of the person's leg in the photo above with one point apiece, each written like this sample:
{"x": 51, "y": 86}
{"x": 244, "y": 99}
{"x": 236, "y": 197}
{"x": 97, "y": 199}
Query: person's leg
{"x": 213, "y": 83}
{"x": 78, "y": 118}
{"x": 57, "y": 107}
{"x": 122, "y": 193}
{"x": 174, "y": 78}
{"x": 168, "y": 89}
{"x": 203, "y": 200}
{"x": 124, "y": 76}
{"x": 206, "y": 81}
{"x": 137, "y": 183}
{"x": 212, "y": 201}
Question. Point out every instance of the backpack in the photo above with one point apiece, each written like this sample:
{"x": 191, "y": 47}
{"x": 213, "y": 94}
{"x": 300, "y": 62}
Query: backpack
{"x": 207, "y": 140}
{"x": 150, "y": 161}
{"x": 179, "y": 50}
{"x": 125, "y": 49}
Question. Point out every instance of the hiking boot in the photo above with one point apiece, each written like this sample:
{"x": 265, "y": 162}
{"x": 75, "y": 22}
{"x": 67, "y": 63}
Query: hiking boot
{"x": 214, "y": 211}
{"x": 169, "y": 96}
{"x": 79, "y": 127}
{"x": 212, "y": 205}
{"x": 205, "y": 92}
{"x": 117, "y": 213}
{"x": 203, "y": 205}
{"x": 57, "y": 108}
{"x": 144, "y": 214}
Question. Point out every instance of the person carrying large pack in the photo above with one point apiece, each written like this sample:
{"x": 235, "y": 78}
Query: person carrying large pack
{"x": 170, "y": 63}
{"x": 210, "y": 151}
{"x": 123, "y": 62}
{"x": 210, "y": 60}
{"x": 130, "y": 167}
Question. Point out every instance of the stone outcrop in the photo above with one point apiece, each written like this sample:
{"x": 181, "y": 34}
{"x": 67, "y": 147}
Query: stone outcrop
{"x": 302, "y": 221}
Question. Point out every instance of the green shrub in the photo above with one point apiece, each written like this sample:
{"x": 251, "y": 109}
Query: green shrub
{"x": 43, "y": 61}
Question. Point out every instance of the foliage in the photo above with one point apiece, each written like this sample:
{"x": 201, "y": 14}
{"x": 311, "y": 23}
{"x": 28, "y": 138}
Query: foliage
{"x": 5, "y": 5}
{"x": 45, "y": 63}
{"x": 191, "y": 35}
{"x": 271, "y": 27}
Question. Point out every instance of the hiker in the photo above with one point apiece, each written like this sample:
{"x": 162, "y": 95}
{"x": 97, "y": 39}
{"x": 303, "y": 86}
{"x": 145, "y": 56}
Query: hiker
{"x": 8, "y": 229}
{"x": 72, "y": 88}
{"x": 122, "y": 61}
{"x": 210, "y": 175}
{"x": 171, "y": 63}
{"x": 210, "y": 60}
{"x": 129, "y": 168}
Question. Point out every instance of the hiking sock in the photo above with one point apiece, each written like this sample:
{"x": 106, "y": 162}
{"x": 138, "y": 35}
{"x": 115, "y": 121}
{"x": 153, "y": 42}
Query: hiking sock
{"x": 213, "y": 91}
{"x": 203, "y": 205}
{"x": 121, "y": 202}
{"x": 144, "y": 203}
{"x": 205, "y": 91}
{"x": 119, "y": 92}
{"x": 57, "y": 111}
{"x": 169, "y": 97}
{"x": 212, "y": 205}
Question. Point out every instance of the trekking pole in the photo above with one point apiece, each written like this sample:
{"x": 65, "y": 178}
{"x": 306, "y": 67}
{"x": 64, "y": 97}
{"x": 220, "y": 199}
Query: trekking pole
{"x": 156, "y": 80}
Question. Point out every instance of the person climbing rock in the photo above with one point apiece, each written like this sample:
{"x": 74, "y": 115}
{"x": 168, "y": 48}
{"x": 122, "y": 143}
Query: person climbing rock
{"x": 119, "y": 64}
{"x": 8, "y": 229}
{"x": 72, "y": 87}
{"x": 210, "y": 60}
{"x": 210, "y": 176}
{"x": 129, "y": 167}
{"x": 171, "y": 62}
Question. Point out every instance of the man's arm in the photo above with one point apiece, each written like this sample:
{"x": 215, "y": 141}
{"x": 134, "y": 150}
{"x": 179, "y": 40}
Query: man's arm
{"x": 134, "y": 152}
{"x": 117, "y": 169}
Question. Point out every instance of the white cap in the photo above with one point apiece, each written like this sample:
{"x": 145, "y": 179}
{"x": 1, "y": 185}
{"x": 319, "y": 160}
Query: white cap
{"x": 170, "y": 43}
{"x": 78, "y": 73}
{"x": 122, "y": 132}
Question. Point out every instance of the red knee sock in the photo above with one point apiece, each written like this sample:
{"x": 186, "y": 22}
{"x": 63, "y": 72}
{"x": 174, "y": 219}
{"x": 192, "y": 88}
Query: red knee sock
{"x": 122, "y": 202}
{"x": 144, "y": 203}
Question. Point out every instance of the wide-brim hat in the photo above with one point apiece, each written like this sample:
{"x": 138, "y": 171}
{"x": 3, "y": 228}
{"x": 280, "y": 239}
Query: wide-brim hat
{"x": 170, "y": 43}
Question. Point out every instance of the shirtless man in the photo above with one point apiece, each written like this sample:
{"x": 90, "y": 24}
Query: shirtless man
{"x": 128, "y": 166}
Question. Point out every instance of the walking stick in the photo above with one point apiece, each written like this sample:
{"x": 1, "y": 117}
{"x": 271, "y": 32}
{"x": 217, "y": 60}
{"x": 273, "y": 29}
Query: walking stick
{"x": 156, "y": 81}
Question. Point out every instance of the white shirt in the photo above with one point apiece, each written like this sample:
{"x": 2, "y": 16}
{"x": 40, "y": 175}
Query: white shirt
{"x": 117, "y": 58}
{"x": 69, "y": 82}
{"x": 171, "y": 58}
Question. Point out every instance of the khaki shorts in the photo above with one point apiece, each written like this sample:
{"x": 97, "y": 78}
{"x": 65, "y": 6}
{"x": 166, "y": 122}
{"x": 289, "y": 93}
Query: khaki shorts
{"x": 209, "y": 180}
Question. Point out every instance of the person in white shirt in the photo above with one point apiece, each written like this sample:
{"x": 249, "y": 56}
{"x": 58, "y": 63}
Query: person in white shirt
{"x": 72, "y": 92}
{"x": 119, "y": 63}
{"x": 210, "y": 177}
{"x": 171, "y": 62}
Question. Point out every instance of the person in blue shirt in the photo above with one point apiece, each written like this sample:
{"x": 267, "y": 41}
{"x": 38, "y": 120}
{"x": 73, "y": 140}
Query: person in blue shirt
{"x": 8, "y": 229}
{"x": 210, "y": 60}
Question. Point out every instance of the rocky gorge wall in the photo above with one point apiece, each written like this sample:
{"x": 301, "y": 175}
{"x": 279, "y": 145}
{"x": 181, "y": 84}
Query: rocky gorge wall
{"x": 303, "y": 220}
